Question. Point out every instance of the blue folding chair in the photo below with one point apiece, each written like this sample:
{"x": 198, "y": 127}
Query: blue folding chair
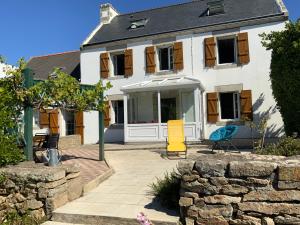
{"x": 223, "y": 134}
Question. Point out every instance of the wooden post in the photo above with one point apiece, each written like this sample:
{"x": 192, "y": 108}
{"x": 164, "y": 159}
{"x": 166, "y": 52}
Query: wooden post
{"x": 28, "y": 118}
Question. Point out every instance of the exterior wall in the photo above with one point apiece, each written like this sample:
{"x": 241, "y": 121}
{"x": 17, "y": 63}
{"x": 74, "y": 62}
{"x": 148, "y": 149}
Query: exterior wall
{"x": 253, "y": 76}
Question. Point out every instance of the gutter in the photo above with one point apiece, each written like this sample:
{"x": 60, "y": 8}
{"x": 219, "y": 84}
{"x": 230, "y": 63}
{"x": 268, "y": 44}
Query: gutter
{"x": 277, "y": 17}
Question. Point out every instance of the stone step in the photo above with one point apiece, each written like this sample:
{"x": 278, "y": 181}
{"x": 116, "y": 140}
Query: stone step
{"x": 100, "y": 220}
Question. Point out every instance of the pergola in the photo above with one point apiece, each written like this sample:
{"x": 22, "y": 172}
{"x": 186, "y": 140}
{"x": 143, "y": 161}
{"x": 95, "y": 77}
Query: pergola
{"x": 28, "y": 121}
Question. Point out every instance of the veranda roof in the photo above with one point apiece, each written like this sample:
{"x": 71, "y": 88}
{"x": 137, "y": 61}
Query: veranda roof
{"x": 163, "y": 84}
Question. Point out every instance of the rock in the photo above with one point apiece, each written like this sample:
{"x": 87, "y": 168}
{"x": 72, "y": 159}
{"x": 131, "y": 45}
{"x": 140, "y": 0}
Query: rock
{"x": 189, "y": 221}
{"x": 2, "y": 199}
{"x": 53, "y": 184}
{"x": 38, "y": 215}
{"x": 258, "y": 182}
{"x": 201, "y": 188}
{"x": 233, "y": 189}
{"x": 72, "y": 175}
{"x": 199, "y": 202}
{"x": 71, "y": 168}
{"x": 185, "y": 166}
{"x": 218, "y": 220}
{"x": 56, "y": 191}
{"x": 267, "y": 221}
{"x": 34, "y": 204}
{"x": 287, "y": 185}
{"x": 211, "y": 211}
{"x": 286, "y": 219}
{"x": 55, "y": 202}
{"x": 237, "y": 181}
{"x": 289, "y": 173}
{"x": 74, "y": 188}
{"x": 221, "y": 199}
{"x": 190, "y": 178}
{"x": 269, "y": 208}
{"x": 251, "y": 169}
{"x": 185, "y": 202}
{"x": 189, "y": 194}
{"x": 211, "y": 168}
{"x": 250, "y": 219}
{"x": 192, "y": 212}
{"x": 19, "y": 197}
{"x": 272, "y": 196}
{"x": 218, "y": 181}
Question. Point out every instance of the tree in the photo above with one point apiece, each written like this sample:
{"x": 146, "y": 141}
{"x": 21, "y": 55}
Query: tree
{"x": 285, "y": 73}
{"x": 59, "y": 91}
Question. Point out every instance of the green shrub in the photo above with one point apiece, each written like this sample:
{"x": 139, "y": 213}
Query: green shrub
{"x": 9, "y": 152}
{"x": 14, "y": 218}
{"x": 287, "y": 146}
{"x": 166, "y": 190}
{"x": 285, "y": 73}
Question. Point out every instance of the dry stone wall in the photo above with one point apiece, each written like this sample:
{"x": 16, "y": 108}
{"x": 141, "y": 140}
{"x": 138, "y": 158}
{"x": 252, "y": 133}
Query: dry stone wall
{"x": 37, "y": 189}
{"x": 222, "y": 189}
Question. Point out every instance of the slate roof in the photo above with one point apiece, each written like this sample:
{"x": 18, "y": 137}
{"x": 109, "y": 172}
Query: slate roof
{"x": 43, "y": 66}
{"x": 181, "y": 17}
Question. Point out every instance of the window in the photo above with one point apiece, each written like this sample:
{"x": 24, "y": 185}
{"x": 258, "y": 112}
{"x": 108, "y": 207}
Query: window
{"x": 119, "y": 111}
{"x": 229, "y": 105}
{"x": 165, "y": 57}
{"x": 142, "y": 108}
{"x": 215, "y": 7}
{"x": 226, "y": 50}
{"x": 138, "y": 24}
{"x": 118, "y": 61}
{"x": 70, "y": 123}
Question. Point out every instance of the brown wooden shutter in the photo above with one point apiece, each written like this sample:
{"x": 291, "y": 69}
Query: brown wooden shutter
{"x": 243, "y": 48}
{"x": 106, "y": 113}
{"x": 79, "y": 125}
{"x": 150, "y": 59}
{"x": 210, "y": 52}
{"x": 246, "y": 105}
{"x": 128, "y": 63}
{"x": 212, "y": 107}
{"x": 53, "y": 121}
{"x": 104, "y": 65}
{"x": 178, "y": 56}
{"x": 44, "y": 118}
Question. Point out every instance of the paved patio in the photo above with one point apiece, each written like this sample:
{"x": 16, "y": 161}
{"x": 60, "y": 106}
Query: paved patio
{"x": 87, "y": 158}
{"x": 126, "y": 193}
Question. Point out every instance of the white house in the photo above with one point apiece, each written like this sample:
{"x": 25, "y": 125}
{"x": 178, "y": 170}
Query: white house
{"x": 200, "y": 61}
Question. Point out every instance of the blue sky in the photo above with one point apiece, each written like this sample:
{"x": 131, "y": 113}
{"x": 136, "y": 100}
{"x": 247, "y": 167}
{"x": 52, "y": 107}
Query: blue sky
{"x": 40, "y": 27}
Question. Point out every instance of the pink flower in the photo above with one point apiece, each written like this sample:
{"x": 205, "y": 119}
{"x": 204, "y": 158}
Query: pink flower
{"x": 142, "y": 219}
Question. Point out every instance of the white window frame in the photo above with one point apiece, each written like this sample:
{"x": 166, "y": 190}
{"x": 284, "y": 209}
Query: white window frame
{"x": 236, "y": 106}
{"x": 170, "y": 62}
{"x": 225, "y": 37}
{"x": 111, "y": 59}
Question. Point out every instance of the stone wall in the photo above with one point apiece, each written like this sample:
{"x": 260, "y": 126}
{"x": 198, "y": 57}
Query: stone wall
{"x": 37, "y": 189}
{"x": 69, "y": 142}
{"x": 240, "y": 189}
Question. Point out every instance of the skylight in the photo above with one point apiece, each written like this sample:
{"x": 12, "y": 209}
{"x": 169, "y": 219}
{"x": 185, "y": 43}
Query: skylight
{"x": 215, "y": 7}
{"x": 138, "y": 24}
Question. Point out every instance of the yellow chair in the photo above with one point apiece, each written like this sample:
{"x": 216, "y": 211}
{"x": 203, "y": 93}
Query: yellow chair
{"x": 176, "y": 142}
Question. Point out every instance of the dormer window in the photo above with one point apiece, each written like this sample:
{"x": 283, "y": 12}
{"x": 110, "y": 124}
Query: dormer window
{"x": 215, "y": 8}
{"x": 138, "y": 24}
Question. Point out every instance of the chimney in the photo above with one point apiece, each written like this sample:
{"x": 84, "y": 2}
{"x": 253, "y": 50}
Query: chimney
{"x": 107, "y": 13}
